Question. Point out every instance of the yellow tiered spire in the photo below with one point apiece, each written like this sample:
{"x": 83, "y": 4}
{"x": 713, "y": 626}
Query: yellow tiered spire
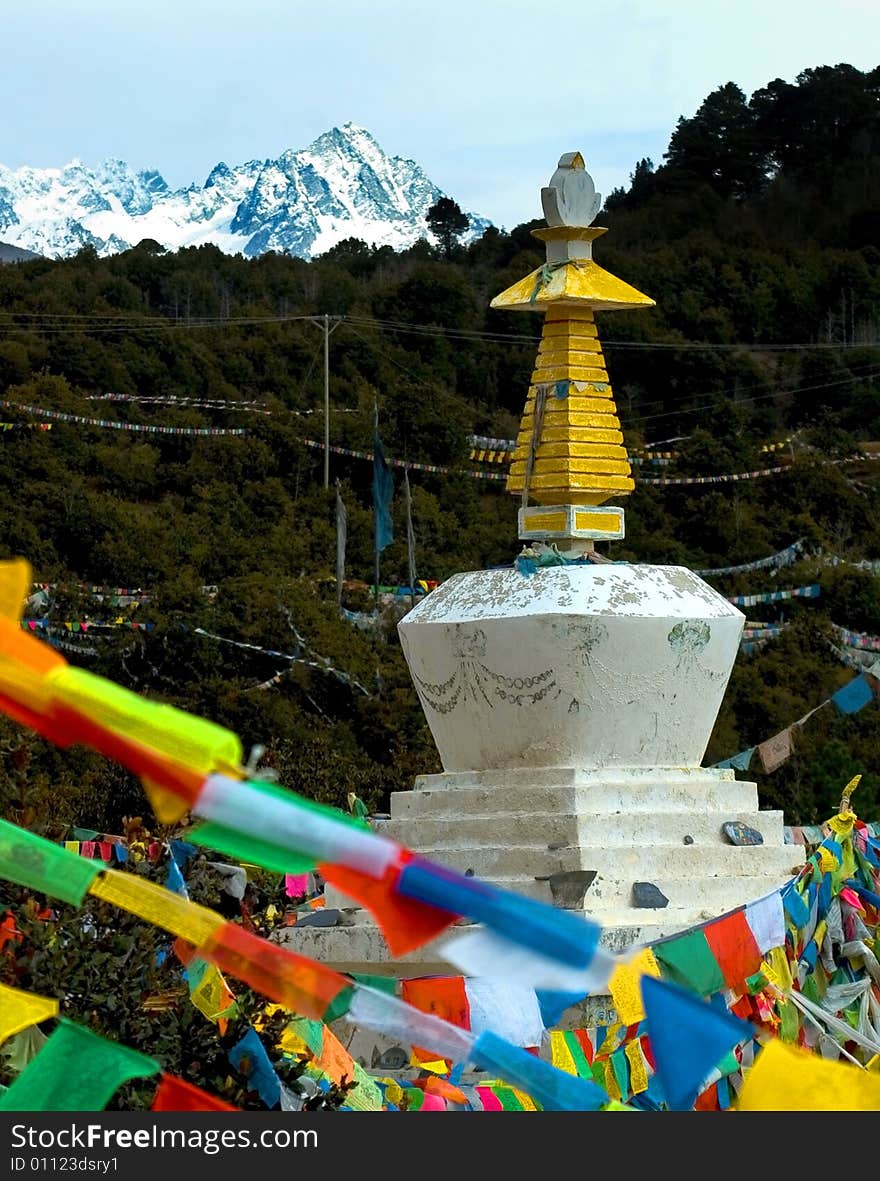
{"x": 570, "y": 449}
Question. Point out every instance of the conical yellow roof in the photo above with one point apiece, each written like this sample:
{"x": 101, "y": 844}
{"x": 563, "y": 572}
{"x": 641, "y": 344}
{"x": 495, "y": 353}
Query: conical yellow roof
{"x": 578, "y": 283}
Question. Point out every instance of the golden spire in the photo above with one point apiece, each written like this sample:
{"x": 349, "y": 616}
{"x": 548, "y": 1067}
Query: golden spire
{"x": 570, "y": 451}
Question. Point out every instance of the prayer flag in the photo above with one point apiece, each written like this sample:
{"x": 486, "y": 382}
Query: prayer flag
{"x": 75, "y": 1071}
{"x": 175, "y": 1094}
{"x": 688, "y": 1039}
{"x": 787, "y": 1078}
{"x": 19, "y": 1009}
{"x": 853, "y": 696}
{"x": 774, "y": 752}
{"x": 341, "y": 535}
{"x": 383, "y": 491}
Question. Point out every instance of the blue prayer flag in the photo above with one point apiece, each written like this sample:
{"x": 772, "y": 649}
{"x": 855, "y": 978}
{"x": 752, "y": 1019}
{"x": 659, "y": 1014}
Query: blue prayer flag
{"x": 853, "y": 696}
{"x": 688, "y": 1038}
{"x": 250, "y": 1057}
{"x": 383, "y": 490}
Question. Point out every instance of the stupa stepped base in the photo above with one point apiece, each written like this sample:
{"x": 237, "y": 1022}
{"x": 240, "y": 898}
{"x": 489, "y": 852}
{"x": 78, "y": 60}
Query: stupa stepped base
{"x": 536, "y": 832}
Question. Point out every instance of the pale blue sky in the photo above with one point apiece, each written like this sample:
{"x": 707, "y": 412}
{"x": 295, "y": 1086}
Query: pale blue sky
{"x": 484, "y": 94}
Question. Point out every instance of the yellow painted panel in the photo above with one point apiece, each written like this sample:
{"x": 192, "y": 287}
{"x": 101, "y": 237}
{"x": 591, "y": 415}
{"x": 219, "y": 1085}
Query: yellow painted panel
{"x": 592, "y": 358}
{"x": 571, "y": 342}
{"x": 606, "y": 522}
{"x": 572, "y": 434}
{"x": 585, "y": 467}
{"x": 580, "y": 404}
{"x": 580, "y": 320}
{"x": 584, "y": 483}
{"x": 568, "y": 372}
{"x": 552, "y": 522}
{"x": 547, "y": 450}
{"x": 574, "y": 469}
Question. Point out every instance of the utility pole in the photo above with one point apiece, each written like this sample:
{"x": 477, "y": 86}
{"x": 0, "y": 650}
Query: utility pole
{"x": 323, "y": 323}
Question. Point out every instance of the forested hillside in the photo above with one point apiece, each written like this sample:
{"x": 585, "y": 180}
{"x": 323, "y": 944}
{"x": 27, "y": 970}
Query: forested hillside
{"x": 759, "y": 238}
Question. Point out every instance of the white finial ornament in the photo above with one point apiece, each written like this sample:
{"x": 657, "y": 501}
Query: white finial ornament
{"x": 571, "y": 198}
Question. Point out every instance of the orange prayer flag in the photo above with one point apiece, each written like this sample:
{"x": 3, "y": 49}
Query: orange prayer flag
{"x": 733, "y": 945}
{"x": 406, "y": 923}
{"x": 175, "y": 1094}
{"x": 445, "y": 997}
{"x": 304, "y": 986}
{"x": 439, "y": 1086}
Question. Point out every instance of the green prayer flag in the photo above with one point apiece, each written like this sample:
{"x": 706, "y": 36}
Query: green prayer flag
{"x": 689, "y": 962}
{"x": 507, "y": 1099}
{"x": 32, "y": 861}
{"x": 620, "y": 1066}
{"x": 252, "y": 850}
{"x": 789, "y": 1021}
{"x": 729, "y": 1064}
{"x": 84, "y": 834}
{"x": 382, "y": 983}
{"x": 576, "y": 1050}
{"x": 311, "y": 1032}
{"x": 75, "y": 1071}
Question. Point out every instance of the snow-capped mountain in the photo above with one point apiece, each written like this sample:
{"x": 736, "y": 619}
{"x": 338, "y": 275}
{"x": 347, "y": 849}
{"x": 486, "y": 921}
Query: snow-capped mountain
{"x": 341, "y": 186}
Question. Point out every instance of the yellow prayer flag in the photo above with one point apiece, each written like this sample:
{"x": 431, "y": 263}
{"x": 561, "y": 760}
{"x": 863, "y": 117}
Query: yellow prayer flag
{"x": 212, "y": 995}
{"x": 827, "y": 861}
{"x": 186, "y": 739}
{"x": 72, "y": 846}
{"x": 611, "y": 1084}
{"x": 15, "y": 582}
{"x": 528, "y": 1103}
{"x": 786, "y": 1078}
{"x": 436, "y": 1066}
{"x": 560, "y": 1055}
{"x": 156, "y": 905}
{"x": 625, "y": 988}
{"x": 20, "y": 1009}
{"x": 776, "y": 968}
{"x": 638, "y": 1070}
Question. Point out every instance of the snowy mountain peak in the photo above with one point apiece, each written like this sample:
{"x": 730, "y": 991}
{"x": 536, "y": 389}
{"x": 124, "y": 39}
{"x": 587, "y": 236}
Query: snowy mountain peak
{"x": 343, "y": 185}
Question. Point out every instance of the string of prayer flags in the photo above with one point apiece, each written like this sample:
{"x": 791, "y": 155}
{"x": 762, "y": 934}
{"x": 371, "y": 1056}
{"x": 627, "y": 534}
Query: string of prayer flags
{"x": 61, "y": 416}
{"x": 799, "y": 592}
{"x": 176, "y": 1094}
{"x": 688, "y": 1038}
{"x": 76, "y": 1070}
{"x": 19, "y": 1010}
{"x": 740, "y": 761}
{"x": 784, "y": 557}
{"x": 789, "y": 1078}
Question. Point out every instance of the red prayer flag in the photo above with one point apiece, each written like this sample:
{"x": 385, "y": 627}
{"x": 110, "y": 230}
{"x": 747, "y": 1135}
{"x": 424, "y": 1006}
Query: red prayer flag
{"x": 733, "y": 945}
{"x": 175, "y": 1094}
{"x": 406, "y": 923}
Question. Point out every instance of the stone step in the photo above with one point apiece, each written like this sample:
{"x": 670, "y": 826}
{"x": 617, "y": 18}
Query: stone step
{"x": 731, "y": 796}
{"x": 587, "y": 829}
{"x": 644, "y": 863}
{"x": 530, "y": 777}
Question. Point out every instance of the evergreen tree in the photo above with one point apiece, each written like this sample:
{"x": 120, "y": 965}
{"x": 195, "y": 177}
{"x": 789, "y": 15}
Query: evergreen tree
{"x": 447, "y": 223}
